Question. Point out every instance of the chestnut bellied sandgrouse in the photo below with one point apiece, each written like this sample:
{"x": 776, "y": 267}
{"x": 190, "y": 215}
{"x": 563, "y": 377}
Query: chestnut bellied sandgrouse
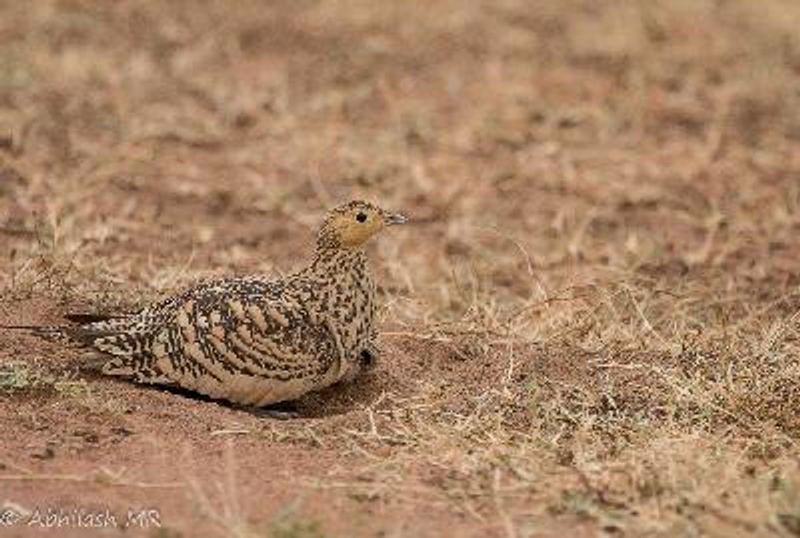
{"x": 252, "y": 340}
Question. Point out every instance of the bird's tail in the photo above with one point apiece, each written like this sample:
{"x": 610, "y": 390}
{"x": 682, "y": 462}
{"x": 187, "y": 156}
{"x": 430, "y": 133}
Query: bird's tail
{"x": 24, "y": 327}
{"x": 80, "y": 335}
{"x": 86, "y": 319}
{"x": 45, "y": 332}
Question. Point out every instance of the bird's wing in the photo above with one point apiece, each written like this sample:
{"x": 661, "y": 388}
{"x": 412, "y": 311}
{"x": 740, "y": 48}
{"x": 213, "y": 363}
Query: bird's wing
{"x": 246, "y": 341}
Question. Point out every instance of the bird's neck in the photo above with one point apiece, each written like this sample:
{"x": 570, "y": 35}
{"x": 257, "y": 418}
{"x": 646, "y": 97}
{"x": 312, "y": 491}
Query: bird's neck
{"x": 338, "y": 261}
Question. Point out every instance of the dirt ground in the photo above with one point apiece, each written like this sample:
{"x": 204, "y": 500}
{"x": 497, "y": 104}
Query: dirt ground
{"x": 589, "y": 329}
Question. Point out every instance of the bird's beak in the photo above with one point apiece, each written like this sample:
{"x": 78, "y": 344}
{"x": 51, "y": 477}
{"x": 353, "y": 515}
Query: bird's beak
{"x": 394, "y": 218}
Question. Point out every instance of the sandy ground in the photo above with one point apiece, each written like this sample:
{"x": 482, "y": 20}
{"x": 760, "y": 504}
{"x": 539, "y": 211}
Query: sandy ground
{"x": 589, "y": 329}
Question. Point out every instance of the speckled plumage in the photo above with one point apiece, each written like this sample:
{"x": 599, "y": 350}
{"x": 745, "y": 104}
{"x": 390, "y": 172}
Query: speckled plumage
{"x": 256, "y": 341}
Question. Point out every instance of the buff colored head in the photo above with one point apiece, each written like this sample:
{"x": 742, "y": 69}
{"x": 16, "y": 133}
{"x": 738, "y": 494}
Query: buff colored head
{"x": 350, "y": 225}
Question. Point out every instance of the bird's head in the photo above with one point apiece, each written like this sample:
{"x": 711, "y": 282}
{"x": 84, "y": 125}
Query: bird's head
{"x": 350, "y": 225}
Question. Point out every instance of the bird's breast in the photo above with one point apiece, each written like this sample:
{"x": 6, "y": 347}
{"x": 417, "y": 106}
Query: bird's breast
{"x": 351, "y": 305}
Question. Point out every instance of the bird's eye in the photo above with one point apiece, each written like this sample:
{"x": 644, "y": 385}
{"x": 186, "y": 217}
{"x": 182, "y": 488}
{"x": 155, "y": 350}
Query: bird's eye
{"x": 361, "y": 217}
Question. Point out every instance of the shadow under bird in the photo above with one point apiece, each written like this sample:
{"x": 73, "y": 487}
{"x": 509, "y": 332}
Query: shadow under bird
{"x": 251, "y": 340}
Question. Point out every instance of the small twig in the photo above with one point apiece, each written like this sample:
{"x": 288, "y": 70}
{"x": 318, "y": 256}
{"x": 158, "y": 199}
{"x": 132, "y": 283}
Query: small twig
{"x": 230, "y": 432}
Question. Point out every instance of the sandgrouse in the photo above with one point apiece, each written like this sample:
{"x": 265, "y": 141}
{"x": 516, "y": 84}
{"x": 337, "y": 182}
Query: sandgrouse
{"x": 251, "y": 340}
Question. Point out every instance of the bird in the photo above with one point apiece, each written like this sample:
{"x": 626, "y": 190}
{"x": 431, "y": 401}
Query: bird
{"x": 251, "y": 340}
